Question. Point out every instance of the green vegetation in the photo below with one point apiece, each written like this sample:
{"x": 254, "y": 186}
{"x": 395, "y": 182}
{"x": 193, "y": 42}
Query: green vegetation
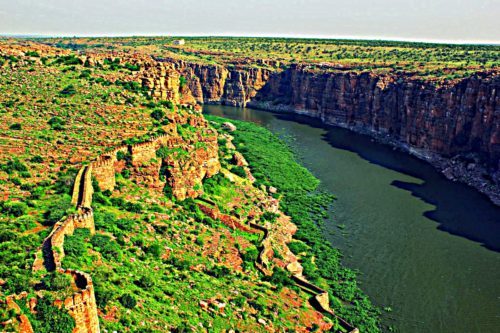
{"x": 157, "y": 263}
{"x": 50, "y": 319}
{"x": 273, "y": 164}
{"x": 426, "y": 60}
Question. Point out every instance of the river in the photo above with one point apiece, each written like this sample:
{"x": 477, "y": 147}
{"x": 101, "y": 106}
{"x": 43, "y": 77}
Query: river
{"x": 424, "y": 246}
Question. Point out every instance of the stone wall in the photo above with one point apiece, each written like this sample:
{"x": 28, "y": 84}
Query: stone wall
{"x": 20, "y": 322}
{"x": 104, "y": 172}
{"x": 81, "y": 305}
{"x": 143, "y": 153}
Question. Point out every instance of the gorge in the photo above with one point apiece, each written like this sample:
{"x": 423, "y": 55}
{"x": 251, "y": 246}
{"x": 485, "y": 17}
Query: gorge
{"x": 178, "y": 220}
{"x": 455, "y": 126}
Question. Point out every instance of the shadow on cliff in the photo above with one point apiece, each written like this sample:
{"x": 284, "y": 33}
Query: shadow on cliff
{"x": 460, "y": 210}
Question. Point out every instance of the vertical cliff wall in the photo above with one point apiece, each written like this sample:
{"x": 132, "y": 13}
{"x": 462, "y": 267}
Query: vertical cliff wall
{"x": 233, "y": 86}
{"x": 455, "y": 126}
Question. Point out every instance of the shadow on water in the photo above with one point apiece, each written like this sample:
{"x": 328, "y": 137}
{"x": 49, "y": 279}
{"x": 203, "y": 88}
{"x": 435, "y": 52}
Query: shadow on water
{"x": 475, "y": 218}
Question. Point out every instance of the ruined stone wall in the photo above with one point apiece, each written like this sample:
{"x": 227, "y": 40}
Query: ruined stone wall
{"x": 82, "y": 304}
{"x": 87, "y": 190}
{"x": 21, "y": 322}
{"x": 104, "y": 172}
{"x": 143, "y": 153}
{"x": 76, "y": 187}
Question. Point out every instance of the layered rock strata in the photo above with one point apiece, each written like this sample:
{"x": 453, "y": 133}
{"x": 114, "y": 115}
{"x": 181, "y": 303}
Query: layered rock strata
{"x": 455, "y": 125}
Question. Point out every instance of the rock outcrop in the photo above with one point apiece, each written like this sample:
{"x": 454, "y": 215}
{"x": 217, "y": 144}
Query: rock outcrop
{"x": 234, "y": 86}
{"x": 455, "y": 125}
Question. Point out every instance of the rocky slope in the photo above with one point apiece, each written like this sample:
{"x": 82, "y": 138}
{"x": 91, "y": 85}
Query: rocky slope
{"x": 455, "y": 126}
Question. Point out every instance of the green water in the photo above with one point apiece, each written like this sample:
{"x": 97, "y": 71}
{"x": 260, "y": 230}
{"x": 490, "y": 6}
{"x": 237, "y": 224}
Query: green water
{"x": 424, "y": 246}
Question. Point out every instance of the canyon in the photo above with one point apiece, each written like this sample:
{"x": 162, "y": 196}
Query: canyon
{"x": 454, "y": 125}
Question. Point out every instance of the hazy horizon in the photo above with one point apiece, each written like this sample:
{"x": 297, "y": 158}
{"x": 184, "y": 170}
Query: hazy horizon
{"x": 442, "y": 21}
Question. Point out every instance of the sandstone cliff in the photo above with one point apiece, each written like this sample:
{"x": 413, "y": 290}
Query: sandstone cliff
{"x": 455, "y": 126}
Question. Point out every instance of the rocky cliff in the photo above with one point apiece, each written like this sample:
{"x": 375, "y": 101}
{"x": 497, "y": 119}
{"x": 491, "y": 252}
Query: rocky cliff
{"x": 455, "y": 125}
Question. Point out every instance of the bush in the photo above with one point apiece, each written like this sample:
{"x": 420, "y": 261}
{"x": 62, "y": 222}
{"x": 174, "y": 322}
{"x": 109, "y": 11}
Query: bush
{"x": 32, "y": 54}
{"x": 106, "y": 246}
{"x": 56, "y": 123}
{"x": 50, "y": 319}
{"x": 297, "y": 247}
{"x": 57, "y": 281}
{"x": 14, "y": 165}
{"x": 250, "y": 255}
{"x": 128, "y": 301}
{"x": 157, "y": 114}
{"x": 219, "y": 271}
{"x": 145, "y": 282}
{"x": 155, "y": 250}
{"x": 15, "y": 127}
{"x": 239, "y": 171}
{"x": 15, "y": 209}
{"x": 102, "y": 296}
{"x": 68, "y": 91}
{"x": 56, "y": 211}
{"x": 37, "y": 159}
{"x": 280, "y": 278}
{"x": 85, "y": 74}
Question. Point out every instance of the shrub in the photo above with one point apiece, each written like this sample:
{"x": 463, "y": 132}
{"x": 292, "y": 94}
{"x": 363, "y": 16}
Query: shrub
{"x": 131, "y": 67}
{"x": 85, "y": 74}
{"x": 57, "y": 281}
{"x": 14, "y": 165}
{"x": 56, "y": 211}
{"x": 16, "y": 126}
{"x": 56, "y": 123}
{"x": 250, "y": 255}
{"x": 32, "y": 54}
{"x": 102, "y": 296}
{"x": 37, "y": 159}
{"x": 157, "y": 114}
{"x": 219, "y": 271}
{"x": 128, "y": 301}
{"x": 68, "y": 91}
{"x": 15, "y": 209}
{"x": 239, "y": 171}
{"x": 280, "y": 278}
{"x": 297, "y": 247}
{"x": 50, "y": 319}
{"x": 106, "y": 246}
{"x": 145, "y": 282}
{"x": 155, "y": 250}
{"x": 182, "y": 81}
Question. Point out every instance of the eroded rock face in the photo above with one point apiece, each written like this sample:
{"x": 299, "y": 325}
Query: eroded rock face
{"x": 452, "y": 119}
{"x": 450, "y": 126}
{"x": 217, "y": 84}
{"x": 435, "y": 123}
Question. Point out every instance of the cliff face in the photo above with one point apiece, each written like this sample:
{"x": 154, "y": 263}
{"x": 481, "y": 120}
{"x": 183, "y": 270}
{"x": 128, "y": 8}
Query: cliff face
{"x": 217, "y": 84}
{"x": 459, "y": 118}
{"x": 455, "y": 126}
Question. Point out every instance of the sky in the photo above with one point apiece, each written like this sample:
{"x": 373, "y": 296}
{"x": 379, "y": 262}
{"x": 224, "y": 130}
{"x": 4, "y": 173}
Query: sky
{"x": 473, "y": 21}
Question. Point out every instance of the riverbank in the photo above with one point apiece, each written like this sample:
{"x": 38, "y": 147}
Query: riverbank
{"x": 273, "y": 164}
{"x": 466, "y": 169}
